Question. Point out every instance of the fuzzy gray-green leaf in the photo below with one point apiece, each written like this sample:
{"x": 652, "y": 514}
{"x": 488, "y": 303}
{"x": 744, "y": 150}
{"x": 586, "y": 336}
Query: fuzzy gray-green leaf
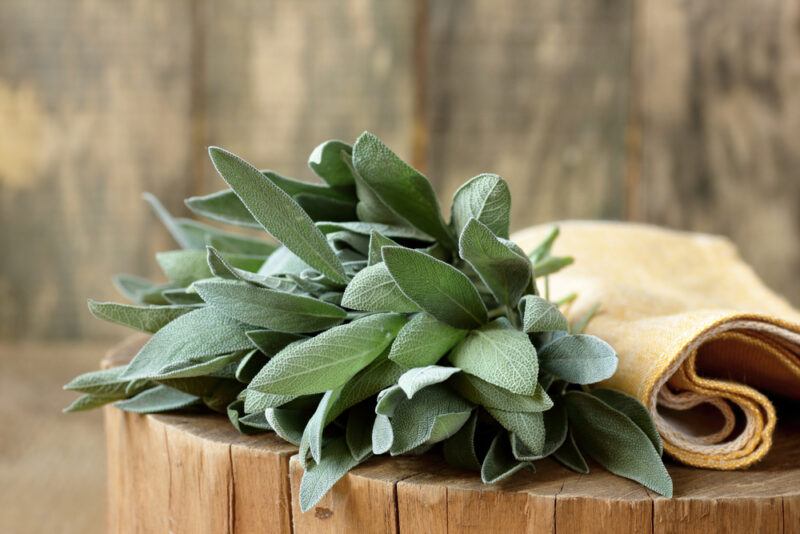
{"x": 158, "y": 399}
{"x": 423, "y": 341}
{"x": 488, "y": 395}
{"x": 541, "y": 315}
{"x": 616, "y": 442}
{"x": 418, "y": 378}
{"x": 437, "y": 287}
{"x": 460, "y": 449}
{"x": 485, "y": 198}
{"x": 186, "y": 266}
{"x": 191, "y": 338}
{"x": 267, "y": 308}
{"x": 527, "y": 426}
{"x": 327, "y": 161}
{"x": 374, "y": 289}
{"x": 500, "y": 462}
{"x": 433, "y": 415}
{"x": 319, "y": 479}
{"x": 407, "y": 192}
{"x": 505, "y": 272}
{"x": 579, "y": 359}
{"x": 223, "y": 206}
{"x": 278, "y": 213}
{"x": 145, "y": 318}
{"x": 635, "y": 410}
{"x": 329, "y": 359}
{"x": 499, "y": 354}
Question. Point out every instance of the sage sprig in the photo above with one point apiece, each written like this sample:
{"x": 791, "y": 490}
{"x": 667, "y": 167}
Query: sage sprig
{"x": 373, "y": 327}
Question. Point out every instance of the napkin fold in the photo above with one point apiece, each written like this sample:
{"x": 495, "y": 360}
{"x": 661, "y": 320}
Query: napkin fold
{"x": 701, "y": 340}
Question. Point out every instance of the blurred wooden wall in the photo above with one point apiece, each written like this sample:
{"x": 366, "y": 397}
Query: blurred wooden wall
{"x": 667, "y": 111}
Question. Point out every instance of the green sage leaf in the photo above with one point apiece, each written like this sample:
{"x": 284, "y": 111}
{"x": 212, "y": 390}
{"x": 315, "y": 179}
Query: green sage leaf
{"x": 186, "y": 266}
{"x": 527, "y": 426}
{"x": 485, "y": 198}
{"x": 579, "y": 359}
{"x": 331, "y": 358}
{"x": 500, "y": 462}
{"x": 460, "y": 449}
{"x": 328, "y": 162}
{"x": 145, "y": 318}
{"x": 320, "y": 478}
{"x": 499, "y": 354}
{"x": 488, "y": 395}
{"x": 407, "y": 192}
{"x": 267, "y": 308}
{"x": 437, "y": 287}
{"x": 635, "y": 410}
{"x": 541, "y": 315}
{"x": 382, "y": 434}
{"x": 415, "y": 379}
{"x": 423, "y": 341}
{"x": 158, "y": 399}
{"x": 616, "y": 442}
{"x": 278, "y": 214}
{"x": 507, "y": 273}
{"x": 223, "y": 206}
{"x": 374, "y": 289}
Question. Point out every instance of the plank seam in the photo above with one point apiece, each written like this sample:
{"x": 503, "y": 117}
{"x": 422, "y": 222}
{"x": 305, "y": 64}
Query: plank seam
{"x": 169, "y": 472}
{"x": 555, "y": 505}
{"x": 231, "y": 493}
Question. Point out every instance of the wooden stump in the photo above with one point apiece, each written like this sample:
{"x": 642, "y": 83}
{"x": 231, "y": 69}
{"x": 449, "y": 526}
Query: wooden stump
{"x": 196, "y": 474}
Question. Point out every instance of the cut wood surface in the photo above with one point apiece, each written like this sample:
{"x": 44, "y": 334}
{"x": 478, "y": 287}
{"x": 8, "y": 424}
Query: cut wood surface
{"x": 184, "y": 473}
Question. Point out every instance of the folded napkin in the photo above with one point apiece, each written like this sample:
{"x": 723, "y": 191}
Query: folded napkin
{"x": 701, "y": 340}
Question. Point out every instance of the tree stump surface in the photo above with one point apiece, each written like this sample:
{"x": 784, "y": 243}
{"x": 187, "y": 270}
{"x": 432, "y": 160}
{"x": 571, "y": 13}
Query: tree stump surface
{"x": 188, "y": 473}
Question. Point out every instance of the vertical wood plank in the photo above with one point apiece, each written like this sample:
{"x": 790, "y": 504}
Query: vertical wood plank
{"x": 365, "y": 500}
{"x": 537, "y": 92}
{"x": 281, "y": 77}
{"x": 720, "y": 125}
{"x": 95, "y": 103}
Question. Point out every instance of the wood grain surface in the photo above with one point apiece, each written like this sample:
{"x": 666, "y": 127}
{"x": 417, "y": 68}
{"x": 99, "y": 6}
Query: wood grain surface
{"x": 685, "y": 114}
{"x": 219, "y": 481}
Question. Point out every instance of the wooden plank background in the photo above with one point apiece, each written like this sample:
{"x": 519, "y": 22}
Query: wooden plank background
{"x": 679, "y": 113}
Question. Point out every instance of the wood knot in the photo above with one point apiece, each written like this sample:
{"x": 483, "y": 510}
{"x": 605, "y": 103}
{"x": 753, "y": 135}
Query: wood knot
{"x": 322, "y": 513}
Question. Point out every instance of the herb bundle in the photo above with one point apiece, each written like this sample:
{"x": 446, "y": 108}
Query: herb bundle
{"x": 374, "y": 327}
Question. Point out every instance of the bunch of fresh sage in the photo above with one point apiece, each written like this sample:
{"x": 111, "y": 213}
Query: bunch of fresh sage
{"x": 374, "y": 327}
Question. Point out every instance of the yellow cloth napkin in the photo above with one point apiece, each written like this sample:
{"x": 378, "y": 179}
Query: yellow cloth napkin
{"x": 700, "y": 338}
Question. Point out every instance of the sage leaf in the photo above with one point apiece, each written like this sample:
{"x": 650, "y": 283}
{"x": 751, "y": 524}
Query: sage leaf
{"x": 256, "y": 420}
{"x": 541, "y": 315}
{"x": 223, "y": 206}
{"x": 257, "y": 402}
{"x": 323, "y": 208}
{"x": 283, "y": 261}
{"x": 582, "y": 322}
{"x": 382, "y": 434}
{"x": 320, "y": 478}
{"x": 570, "y": 456}
{"x": 407, "y": 192}
{"x": 189, "y": 369}
{"x": 158, "y": 399}
{"x": 269, "y": 342}
{"x": 140, "y": 290}
{"x": 378, "y": 375}
{"x": 191, "y": 338}
{"x": 145, "y": 318}
{"x": 278, "y": 214}
{"x": 616, "y": 442}
{"x": 485, "y": 198}
{"x": 184, "y": 239}
{"x": 551, "y": 264}
{"x": 389, "y": 399}
{"x": 414, "y": 380}
{"x": 376, "y": 242}
{"x": 488, "y": 395}
{"x": 527, "y": 426}
{"x": 499, "y": 354}
{"x": 89, "y": 402}
{"x": 433, "y": 415}
{"x": 267, "y": 308}
{"x": 182, "y": 297}
{"x": 297, "y": 188}
{"x": 555, "y": 433}
{"x": 579, "y": 359}
{"x": 635, "y": 410}
{"x": 366, "y": 228}
{"x": 543, "y": 249}
{"x": 236, "y": 244}
{"x": 186, "y": 266}
{"x": 460, "y": 449}
{"x": 250, "y": 365}
{"x": 374, "y": 289}
{"x": 500, "y": 462}
{"x": 435, "y": 286}
{"x": 328, "y": 162}
{"x": 106, "y": 383}
{"x": 311, "y": 439}
{"x": 507, "y": 273}
{"x": 331, "y": 358}
{"x": 236, "y": 416}
{"x": 423, "y": 341}
{"x": 358, "y": 431}
{"x": 288, "y": 423}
